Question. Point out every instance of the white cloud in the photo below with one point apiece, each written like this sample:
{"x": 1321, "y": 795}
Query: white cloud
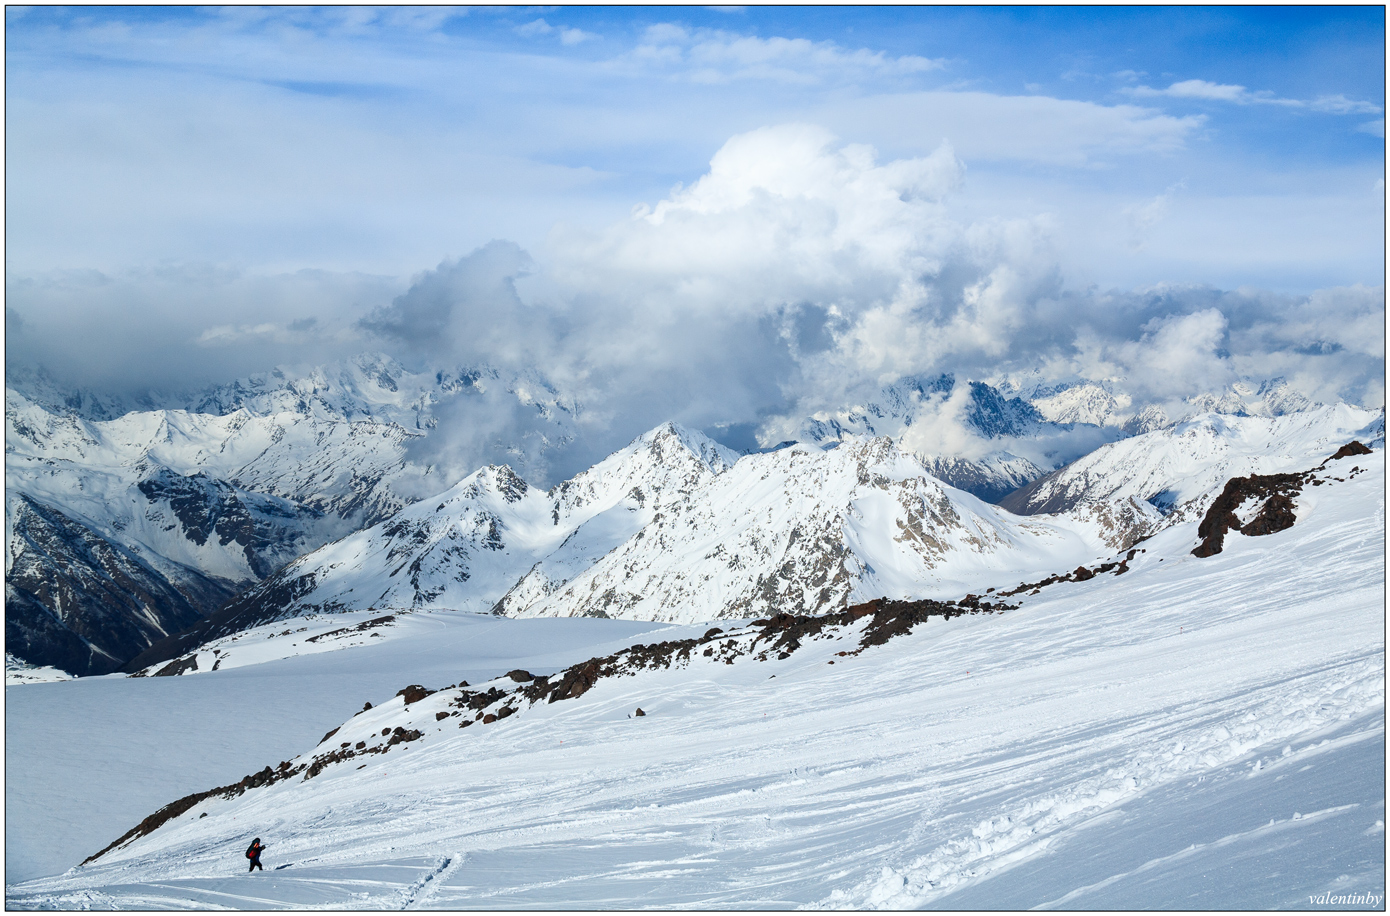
{"x": 575, "y": 36}
{"x": 716, "y": 56}
{"x": 568, "y": 36}
{"x": 1340, "y": 104}
{"x": 985, "y": 126}
{"x": 533, "y": 28}
{"x": 797, "y": 274}
{"x": 1221, "y": 92}
{"x": 1197, "y": 89}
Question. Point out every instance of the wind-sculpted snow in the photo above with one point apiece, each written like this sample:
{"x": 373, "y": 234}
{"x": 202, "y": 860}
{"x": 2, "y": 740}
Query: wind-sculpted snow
{"x": 1185, "y": 732}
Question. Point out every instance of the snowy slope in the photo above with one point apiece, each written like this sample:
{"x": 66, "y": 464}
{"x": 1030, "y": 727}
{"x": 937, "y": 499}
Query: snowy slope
{"x": 1115, "y": 742}
{"x": 1105, "y": 402}
{"x": 63, "y": 739}
{"x": 671, "y": 529}
{"x": 1180, "y": 469}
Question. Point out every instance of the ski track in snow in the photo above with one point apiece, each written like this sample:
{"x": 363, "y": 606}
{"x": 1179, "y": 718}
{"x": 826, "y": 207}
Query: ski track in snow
{"x": 936, "y": 770}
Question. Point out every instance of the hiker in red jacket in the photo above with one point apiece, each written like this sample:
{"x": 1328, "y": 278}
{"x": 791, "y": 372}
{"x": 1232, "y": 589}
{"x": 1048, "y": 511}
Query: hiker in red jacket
{"x": 254, "y": 854}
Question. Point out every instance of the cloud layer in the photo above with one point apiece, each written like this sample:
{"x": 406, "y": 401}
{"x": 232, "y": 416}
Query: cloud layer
{"x": 798, "y": 274}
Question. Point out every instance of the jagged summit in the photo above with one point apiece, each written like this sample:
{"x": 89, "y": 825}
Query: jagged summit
{"x": 804, "y": 530}
{"x": 490, "y": 538}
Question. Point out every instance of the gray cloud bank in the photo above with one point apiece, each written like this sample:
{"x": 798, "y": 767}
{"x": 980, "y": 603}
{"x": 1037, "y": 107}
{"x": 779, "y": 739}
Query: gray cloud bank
{"x": 797, "y": 275}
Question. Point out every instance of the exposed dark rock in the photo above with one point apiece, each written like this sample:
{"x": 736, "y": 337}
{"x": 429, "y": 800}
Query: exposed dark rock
{"x": 400, "y": 735}
{"x": 414, "y": 693}
{"x": 178, "y": 666}
{"x": 520, "y": 676}
{"x": 1221, "y": 517}
{"x": 639, "y": 712}
{"x": 1027, "y": 501}
{"x": 1351, "y": 448}
{"x": 361, "y": 627}
{"x": 262, "y": 603}
{"x": 208, "y": 507}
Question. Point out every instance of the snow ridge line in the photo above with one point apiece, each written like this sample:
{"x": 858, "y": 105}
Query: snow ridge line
{"x": 1342, "y": 695}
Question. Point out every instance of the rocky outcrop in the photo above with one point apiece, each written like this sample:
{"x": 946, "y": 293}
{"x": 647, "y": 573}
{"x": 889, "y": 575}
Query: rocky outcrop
{"x": 1272, "y": 494}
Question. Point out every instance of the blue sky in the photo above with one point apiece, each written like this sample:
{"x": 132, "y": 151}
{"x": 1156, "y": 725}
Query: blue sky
{"x": 180, "y": 175}
{"x": 563, "y": 104}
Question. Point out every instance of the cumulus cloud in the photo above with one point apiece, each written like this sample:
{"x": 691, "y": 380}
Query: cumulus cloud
{"x": 798, "y": 274}
{"x": 568, "y": 36}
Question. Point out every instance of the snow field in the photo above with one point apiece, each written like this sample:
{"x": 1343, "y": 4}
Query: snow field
{"x": 87, "y": 759}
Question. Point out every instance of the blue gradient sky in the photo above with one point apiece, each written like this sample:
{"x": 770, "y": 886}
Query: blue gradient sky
{"x": 386, "y": 139}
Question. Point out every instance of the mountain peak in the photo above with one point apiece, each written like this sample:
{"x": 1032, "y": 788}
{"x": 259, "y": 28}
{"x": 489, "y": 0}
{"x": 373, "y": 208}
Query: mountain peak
{"x": 717, "y": 458}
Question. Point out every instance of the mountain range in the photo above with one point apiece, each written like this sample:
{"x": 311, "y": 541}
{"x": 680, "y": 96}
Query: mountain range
{"x": 132, "y": 537}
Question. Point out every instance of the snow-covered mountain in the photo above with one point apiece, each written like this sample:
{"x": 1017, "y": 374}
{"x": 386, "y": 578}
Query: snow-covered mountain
{"x": 203, "y": 495}
{"x": 1180, "y": 469}
{"x": 675, "y": 528}
{"x": 212, "y": 496}
{"x": 984, "y": 411}
{"x": 1105, "y": 402}
{"x": 491, "y": 535}
{"x": 1109, "y": 740}
{"x": 803, "y": 530}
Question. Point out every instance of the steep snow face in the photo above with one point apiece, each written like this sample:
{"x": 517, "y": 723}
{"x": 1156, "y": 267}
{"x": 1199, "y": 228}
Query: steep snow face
{"x": 470, "y": 546}
{"x": 200, "y": 503}
{"x": 1181, "y": 469}
{"x": 371, "y": 386}
{"x": 1089, "y": 403}
{"x": 611, "y": 502}
{"x": 331, "y": 467}
{"x": 803, "y": 530}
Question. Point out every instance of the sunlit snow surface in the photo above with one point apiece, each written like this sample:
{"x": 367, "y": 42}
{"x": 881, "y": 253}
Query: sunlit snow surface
{"x": 1196, "y": 733}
